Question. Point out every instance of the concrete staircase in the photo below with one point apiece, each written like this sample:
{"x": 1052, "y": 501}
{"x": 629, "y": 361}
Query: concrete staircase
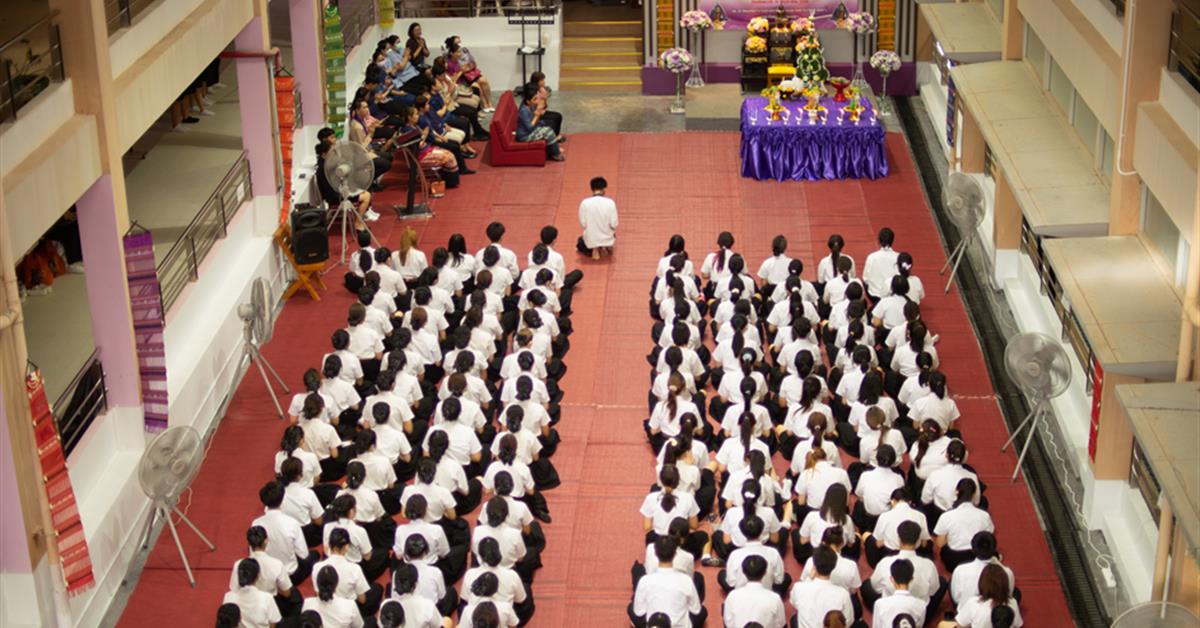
{"x": 601, "y": 49}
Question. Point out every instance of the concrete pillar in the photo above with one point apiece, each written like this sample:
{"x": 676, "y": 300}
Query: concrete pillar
{"x": 307, "y": 57}
{"x": 1114, "y": 440}
{"x": 972, "y": 143}
{"x": 1183, "y": 581}
{"x": 1006, "y": 231}
{"x": 1012, "y": 32}
{"x": 256, "y": 101}
{"x": 1147, "y": 25}
{"x": 108, "y": 291}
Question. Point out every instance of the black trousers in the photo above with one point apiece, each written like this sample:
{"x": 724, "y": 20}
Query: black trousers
{"x": 554, "y": 120}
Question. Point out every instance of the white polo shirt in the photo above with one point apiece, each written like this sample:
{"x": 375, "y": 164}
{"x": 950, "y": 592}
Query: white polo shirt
{"x": 285, "y": 538}
{"x": 667, "y": 591}
{"x": 845, "y": 574}
{"x": 889, "y": 607}
{"x": 754, "y": 602}
{"x": 301, "y": 503}
{"x": 271, "y": 577}
{"x": 434, "y": 535}
{"x": 888, "y": 525}
{"x": 925, "y": 580}
{"x": 944, "y": 411}
{"x": 960, "y": 524}
{"x": 964, "y": 584}
{"x": 437, "y": 499}
{"x": 351, "y": 582}
{"x": 510, "y": 591}
{"x": 775, "y": 570}
{"x": 463, "y": 441}
{"x": 367, "y": 507}
{"x": 419, "y": 612}
{"x": 258, "y": 608}
{"x": 977, "y": 613}
{"x": 652, "y": 508}
{"x": 815, "y": 598}
{"x": 875, "y": 488}
{"x": 941, "y": 488}
{"x": 360, "y": 543}
{"x": 338, "y": 612}
{"x": 351, "y": 370}
{"x": 365, "y": 342}
{"x": 878, "y": 270}
{"x": 512, "y": 545}
{"x": 812, "y": 484}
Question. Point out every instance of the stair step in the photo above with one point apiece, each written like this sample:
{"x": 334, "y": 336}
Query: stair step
{"x": 602, "y": 28}
{"x": 601, "y": 58}
{"x": 601, "y": 44}
{"x": 600, "y": 86}
{"x": 601, "y": 73}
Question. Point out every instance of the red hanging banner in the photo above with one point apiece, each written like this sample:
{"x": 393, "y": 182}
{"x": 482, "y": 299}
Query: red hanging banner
{"x": 64, "y": 511}
{"x": 1097, "y": 393}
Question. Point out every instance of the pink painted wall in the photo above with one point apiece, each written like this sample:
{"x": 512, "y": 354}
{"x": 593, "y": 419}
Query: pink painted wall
{"x": 255, "y": 101}
{"x": 14, "y": 552}
{"x": 306, "y": 57}
{"x": 108, "y": 292}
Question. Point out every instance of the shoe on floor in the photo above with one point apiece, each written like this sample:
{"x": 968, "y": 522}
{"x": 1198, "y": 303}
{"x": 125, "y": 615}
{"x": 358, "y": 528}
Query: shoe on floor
{"x": 76, "y": 268}
{"x": 191, "y": 120}
{"x": 216, "y": 86}
{"x": 371, "y": 216}
{"x": 489, "y": 109}
{"x": 558, "y": 158}
{"x": 712, "y": 561}
{"x": 206, "y": 112}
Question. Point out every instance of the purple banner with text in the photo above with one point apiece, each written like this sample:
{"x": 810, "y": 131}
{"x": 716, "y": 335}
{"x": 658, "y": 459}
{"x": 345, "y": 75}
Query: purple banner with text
{"x": 735, "y": 14}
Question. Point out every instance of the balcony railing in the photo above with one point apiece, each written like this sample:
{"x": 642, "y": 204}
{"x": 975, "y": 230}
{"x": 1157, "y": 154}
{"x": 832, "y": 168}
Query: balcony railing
{"x": 84, "y": 399}
{"x": 408, "y": 9}
{"x": 120, "y": 13}
{"x": 181, "y": 265}
{"x": 1183, "y": 54}
{"x": 29, "y": 63}
{"x": 357, "y": 17}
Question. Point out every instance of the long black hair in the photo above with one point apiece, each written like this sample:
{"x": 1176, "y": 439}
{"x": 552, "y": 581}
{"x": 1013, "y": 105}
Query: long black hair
{"x": 725, "y": 242}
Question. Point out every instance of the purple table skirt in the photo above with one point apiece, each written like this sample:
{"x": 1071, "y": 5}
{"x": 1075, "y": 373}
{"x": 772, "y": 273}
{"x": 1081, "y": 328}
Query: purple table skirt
{"x": 810, "y": 151}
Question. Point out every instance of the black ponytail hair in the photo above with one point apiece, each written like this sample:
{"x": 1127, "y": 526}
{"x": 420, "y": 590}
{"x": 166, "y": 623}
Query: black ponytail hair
{"x": 930, "y": 431}
{"x": 524, "y": 388}
{"x": 835, "y": 243}
{"x": 439, "y": 442}
{"x": 508, "y": 449}
{"x": 312, "y": 380}
{"x": 937, "y": 384}
{"x": 925, "y": 364}
{"x": 503, "y": 484}
{"x": 956, "y": 452}
{"x": 340, "y": 507}
{"x": 725, "y": 242}
{"x": 426, "y": 470}
{"x": 356, "y": 473}
{"x": 495, "y": 513}
{"x": 327, "y": 582}
{"x": 293, "y": 435}
{"x": 514, "y": 418}
{"x": 964, "y": 492}
{"x": 916, "y": 336}
{"x": 668, "y": 479}
{"x": 748, "y": 388}
{"x": 746, "y": 425}
{"x": 810, "y": 391}
{"x": 247, "y": 572}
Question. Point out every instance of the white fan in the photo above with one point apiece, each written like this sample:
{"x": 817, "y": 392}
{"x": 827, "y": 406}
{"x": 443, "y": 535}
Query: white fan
{"x": 1040, "y": 366}
{"x": 167, "y": 467}
{"x": 350, "y": 170}
{"x": 257, "y": 324}
{"x": 964, "y": 203}
{"x": 1157, "y": 615}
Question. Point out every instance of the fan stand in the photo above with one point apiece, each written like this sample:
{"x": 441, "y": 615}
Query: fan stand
{"x": 347, "y": 215}
{"x": 161, "y": 509}
{"x": 1033, "y": 419}
{"x": 956, "y": 256}
{"x": 416, "y": 176}
{"x": 251, "y": 351}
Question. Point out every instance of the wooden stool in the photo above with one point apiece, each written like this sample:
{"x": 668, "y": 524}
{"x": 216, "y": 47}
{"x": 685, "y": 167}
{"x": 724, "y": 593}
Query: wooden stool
{"x": 776, "y": 74}
{"x": 306, "y": 274}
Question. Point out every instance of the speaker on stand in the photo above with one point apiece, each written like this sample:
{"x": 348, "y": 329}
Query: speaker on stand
{"x": 310, "y": 240}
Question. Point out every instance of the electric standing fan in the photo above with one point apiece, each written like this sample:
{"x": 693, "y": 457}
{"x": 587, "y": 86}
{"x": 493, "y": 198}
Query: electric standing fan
{"x": 1039, "y": 365}
{"x": 964, "y": 204}
{"x": 1157, "y": 615}
{"x": 167, "y": 467}
{"x": 350, "y": 170}
{"x": 256, "y": 330}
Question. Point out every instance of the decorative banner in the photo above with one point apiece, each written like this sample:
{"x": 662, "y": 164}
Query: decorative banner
{"x": 1097, "y": 392}
{"x": 951, "y": 111}
{"x": 145, "y": 303}
{"x": 735, "y": 14}
{"x": 886, "y": 21}
{"x": 64, "y": 512}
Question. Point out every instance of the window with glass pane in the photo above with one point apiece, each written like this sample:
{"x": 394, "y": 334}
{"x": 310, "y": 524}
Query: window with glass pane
{"x": 1035, "y": 52}
{"x": 1160, "y": 230}
{"x": 997, "y": 8}
{"x": 1060, "y": 87}
{"x": 1107, "y": 156}
{"x": 1085, "y": 124}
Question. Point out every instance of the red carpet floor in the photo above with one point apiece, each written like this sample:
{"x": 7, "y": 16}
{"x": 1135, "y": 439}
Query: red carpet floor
{"x": 684, "y": 183}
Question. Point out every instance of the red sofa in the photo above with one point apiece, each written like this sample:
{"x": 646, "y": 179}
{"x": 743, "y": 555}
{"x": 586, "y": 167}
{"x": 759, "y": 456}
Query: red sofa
{"x": 503, "y": 147}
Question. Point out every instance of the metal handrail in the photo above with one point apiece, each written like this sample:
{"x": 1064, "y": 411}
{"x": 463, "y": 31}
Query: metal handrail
{"x": 181, "y": 265}
{"x": 1183, "y": 44}
{"x": 119, "y": 14}
{"x": 33, "y": 76}
{"x": 85, "y": 398}
{"x": 357, "y": 16}
{"x": 408, "y": 9}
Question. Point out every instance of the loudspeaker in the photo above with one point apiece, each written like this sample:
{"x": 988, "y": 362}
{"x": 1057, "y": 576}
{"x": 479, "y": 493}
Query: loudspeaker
{"x": 310, "y": 240}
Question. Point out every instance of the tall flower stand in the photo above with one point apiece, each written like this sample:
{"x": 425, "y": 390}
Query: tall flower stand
{"x": 885, "y": 107}
{"x": 859, "y": 79}
{"x": 678, "y": 107}
{"x": 694, "y": 77}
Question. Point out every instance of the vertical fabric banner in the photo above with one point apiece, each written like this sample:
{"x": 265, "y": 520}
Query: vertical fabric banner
{"x": 886, "y": 21}
{"x": 1097, "y": 395}
{"x": 951, "y": 112}
{"x": 145, "y": 303}
{"x": 56, "y": 481}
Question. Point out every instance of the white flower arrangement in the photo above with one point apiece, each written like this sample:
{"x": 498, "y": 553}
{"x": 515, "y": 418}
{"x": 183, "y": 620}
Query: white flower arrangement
{"x": 860, "y": 23}
{"x": 758, "y": 25}
{"x": 677, "y": 60}
{"x": 696, "y": 21}
{"x": 885, "y": 61}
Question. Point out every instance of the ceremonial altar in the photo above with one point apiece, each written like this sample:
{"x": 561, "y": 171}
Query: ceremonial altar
{"x": 798, "y": 147}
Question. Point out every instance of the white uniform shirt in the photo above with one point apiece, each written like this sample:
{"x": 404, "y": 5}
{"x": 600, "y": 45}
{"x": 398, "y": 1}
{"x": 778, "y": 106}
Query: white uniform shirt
{"x": 652, "y": 507}
{"x": 419, "y": 612}
{"x": 301, "y": 503}
{"x": 512, "y": 545}
{"x": 889, "y": 607}
{"x": 890, "y": 310}
{"x": 410, "y": 268}
{"x": 365, "y": 342}
{"x": 311, "y": 465}
{"x": 878, "y": 270}
{"x": 510, "y": 591}
{"x": 944, "y": 411}
{"x": 754, "y": 602}
{"x": 437, "y": 499}
{"x": 941, "y": 488}
{"x": 964, "y": 584}
{"x": 815, "y": 598}
{"x": 367, "y": 506}
{"x": 320, "y": 437}
{"x": 925, "y": 580}
{"x": 336, "y": 613}
{"x": 888, "y": 525}
{"x": 351, "y": 582}
{"x": 508, "y": 259}
{"x": 285, "y": 538}
{"x": 845, "y": 574}
{"x": 463, "y": 441}
{"x": 774, "y": 269}
{"x": 598, "y": 217}
{"x": 683, "y": 561}
{"x": 814, "y": 525}
{"x": 775, "y": 570}
{"x": 960, "y": 524}
{"x": 976, "y": 613}
{"x": 434, "y": 535}
{"x": 351, "y": 372}
{"x": 258, "y": 608}
{"x": 360, "y": 543}
{"x": 812, "y": 483}
{"x": 508, "y": 617}
{"x": 731, "y": 525}
{"x": 271, "y": 577}
{"x": 667, "y": 591}
{"x": 875, "y": 488}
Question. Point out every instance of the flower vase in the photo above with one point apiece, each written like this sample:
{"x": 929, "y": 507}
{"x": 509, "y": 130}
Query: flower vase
{"x": 677, "y": 106}
{"x": 884, "y": 107}
{"x": 694, "y": 78}
{"x": 859, "y": 79}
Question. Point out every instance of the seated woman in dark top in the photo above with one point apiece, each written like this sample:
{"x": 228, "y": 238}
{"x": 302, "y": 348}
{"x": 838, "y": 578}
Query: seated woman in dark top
{"x": 531, "y": 127}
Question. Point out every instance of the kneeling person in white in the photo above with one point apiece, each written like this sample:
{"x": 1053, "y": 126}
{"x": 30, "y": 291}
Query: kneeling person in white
{"x": 817, "y": 597}
{"x": 598, "y": 217}
{"x": 668, "y": 591}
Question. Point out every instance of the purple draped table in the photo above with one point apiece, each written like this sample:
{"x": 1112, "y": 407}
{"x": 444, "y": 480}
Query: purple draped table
{"x": 793, "y": 148}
